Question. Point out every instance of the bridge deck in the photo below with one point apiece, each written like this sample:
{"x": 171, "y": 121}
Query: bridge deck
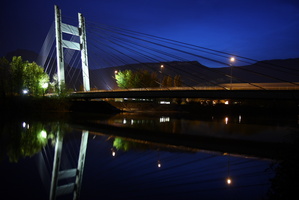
{"x": 195, "y": 92}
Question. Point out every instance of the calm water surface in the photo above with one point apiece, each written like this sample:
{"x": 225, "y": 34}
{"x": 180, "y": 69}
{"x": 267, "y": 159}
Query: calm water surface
{"x": 122, "y": 168}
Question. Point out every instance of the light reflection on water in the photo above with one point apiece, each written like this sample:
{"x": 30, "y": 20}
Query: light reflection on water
{"x": 162, "y": 173}
{"x": 240, "y": 127}
{"x": 120, "y": 168}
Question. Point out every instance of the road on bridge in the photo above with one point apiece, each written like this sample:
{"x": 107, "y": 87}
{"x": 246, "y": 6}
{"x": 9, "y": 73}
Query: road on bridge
{"x": 274, "y": 91}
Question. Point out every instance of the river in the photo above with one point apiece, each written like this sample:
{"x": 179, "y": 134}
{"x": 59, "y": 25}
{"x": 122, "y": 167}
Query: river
{"x": 148, "y": 155}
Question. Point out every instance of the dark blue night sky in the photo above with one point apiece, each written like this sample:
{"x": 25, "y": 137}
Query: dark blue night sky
{"x": 259, "y": 30}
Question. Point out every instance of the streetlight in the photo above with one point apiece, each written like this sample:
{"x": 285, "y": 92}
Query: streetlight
{"x": 161, "y": 71}
{"x": 115, "y": 72}
{"x": 232, "y": 60}
{"x": 45, "y": 86}
{"x": 228, "y": 181}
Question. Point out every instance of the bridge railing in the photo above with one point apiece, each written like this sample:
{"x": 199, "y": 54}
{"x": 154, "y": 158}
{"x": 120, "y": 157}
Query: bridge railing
{"x": 225, "y": 86}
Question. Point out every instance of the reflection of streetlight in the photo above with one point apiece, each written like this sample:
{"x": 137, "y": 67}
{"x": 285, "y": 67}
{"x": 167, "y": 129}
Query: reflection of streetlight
{"x": 228, "y": 179}
{"x": 159, "y": 164}
{"x": 25, "y": 91}
{"x": 113, "y": 152}
{"x": 43, "y": 134}
{"x": 226, "y": 120}
{"x": 232, "y": 60}
{"x": 25, "y": 125}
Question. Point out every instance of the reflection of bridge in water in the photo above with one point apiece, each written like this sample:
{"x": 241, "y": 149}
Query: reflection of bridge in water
{"x": 162, "y": 143}
{"x": 184, "y": 141}
{"x": 169, "y": 153}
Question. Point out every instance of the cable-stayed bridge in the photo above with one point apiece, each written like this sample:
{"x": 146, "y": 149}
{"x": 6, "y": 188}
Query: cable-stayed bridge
{"x": 97, "y": 51}
{"x": 87, "y": 56}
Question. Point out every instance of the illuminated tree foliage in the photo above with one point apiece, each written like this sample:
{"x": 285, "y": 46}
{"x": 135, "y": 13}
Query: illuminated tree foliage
{"x": 19, "y": 75}
{"x": 137, "y": 79}
{"x": 35, "y": 78}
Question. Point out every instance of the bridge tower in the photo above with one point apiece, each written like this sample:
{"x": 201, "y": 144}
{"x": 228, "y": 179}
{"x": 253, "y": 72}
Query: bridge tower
{"x": 79, "y": 31}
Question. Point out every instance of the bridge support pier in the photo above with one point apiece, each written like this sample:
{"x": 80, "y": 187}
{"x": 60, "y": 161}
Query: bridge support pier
{"x": 59, "y": 48}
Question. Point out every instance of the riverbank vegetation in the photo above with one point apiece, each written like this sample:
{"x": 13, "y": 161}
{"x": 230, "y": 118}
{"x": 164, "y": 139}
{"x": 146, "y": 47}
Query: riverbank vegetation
{"x": 23, "y": 87}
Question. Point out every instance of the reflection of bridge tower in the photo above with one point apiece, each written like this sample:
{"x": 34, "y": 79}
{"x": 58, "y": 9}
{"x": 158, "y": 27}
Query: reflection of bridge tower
{"x": 77, "y": 173}
{"x": 61, "y": 43}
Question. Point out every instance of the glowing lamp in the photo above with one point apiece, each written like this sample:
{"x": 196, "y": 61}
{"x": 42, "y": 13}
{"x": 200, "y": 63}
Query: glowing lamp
{"x": 45, "y": 85}
{"x": 228, "y": 181}
{"x": 232, "y": 59}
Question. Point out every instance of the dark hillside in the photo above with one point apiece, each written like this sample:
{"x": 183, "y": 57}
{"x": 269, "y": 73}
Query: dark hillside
{"x": 192, "y": 72}
{"x": 267, "y": 71}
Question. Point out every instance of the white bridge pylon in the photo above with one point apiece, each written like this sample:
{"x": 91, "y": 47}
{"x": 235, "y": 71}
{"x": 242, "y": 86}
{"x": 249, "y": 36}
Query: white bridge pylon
{"x": 61, "y": 43}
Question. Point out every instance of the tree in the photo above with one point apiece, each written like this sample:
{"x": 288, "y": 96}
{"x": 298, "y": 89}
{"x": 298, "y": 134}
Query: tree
{"x": 17, "y": 72}
{"x": 60, "y": 89}
{"x": 164, "y": 81}
{"x": 35, "y": 79}
{"x": 26, "y": 75}
{"x": 24, "y": 141}
{"x": 126, "y": 145}
{"x": 4, "y": 77}
{"x": 177, "y": 82}
{"x": 124, "y": 79}
{"x": 167, "y": 81}
{"x": 154, "y": 80}
{"x": 138, "y": 79}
